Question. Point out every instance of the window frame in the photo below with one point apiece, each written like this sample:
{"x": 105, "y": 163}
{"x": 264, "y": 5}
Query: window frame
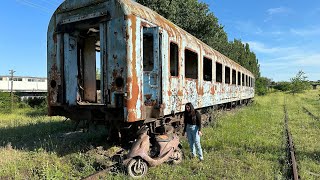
{"x": 221, "y": 79}
{"x": 185, "y": 62}
{"x": 225, "y": 74}
{"x": 178, "y": 59}
{"x": 203, "y": 69}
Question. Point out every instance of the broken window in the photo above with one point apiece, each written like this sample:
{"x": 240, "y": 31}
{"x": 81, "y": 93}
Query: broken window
{"x": 234, "y": 78}
{"x": 218, "y": 72}
{"x": 148, "y": 52}
{"x": 227, "y": 75}
{"x": 239, "y": 78}
{"x": 174, "y": 59}
{"x": 243, "y": 80}
{"x": 191, "y": 64}
{"x": 207, "y": 69}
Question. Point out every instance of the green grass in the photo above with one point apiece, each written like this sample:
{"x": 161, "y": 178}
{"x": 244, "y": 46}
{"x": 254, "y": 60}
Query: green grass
{"x": 35, "y": 146}
{"x": 246, "y": 143}
{"x": 306, "y": 133}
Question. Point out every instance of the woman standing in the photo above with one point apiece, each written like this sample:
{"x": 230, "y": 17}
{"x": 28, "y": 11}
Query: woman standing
{"x": 192, "y": 125}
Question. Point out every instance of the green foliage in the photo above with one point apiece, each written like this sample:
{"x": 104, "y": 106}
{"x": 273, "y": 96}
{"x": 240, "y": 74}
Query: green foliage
{"x": 36, "y": 102}
{"x": 299, "y": 83}
{"x": 5, "y": 102}
{"x": 262, "y": 85}
{"x": 196, "y": 18}
{"x": 283, "y": 86}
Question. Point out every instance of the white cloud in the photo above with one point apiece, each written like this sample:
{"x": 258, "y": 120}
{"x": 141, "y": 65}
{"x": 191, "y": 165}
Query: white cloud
{"x": 279, "y": 10}
{"x": 309, "y": 60}
{"x": 306, "y": 32}
{"x": 276, "y": 11}
{"x": 281, "y": 63}
{"x": 262, "y": 48}
{"x": 248, "y": 27}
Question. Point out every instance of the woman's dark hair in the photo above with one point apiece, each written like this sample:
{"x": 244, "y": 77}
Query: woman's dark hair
{"x": 193, "y": 112}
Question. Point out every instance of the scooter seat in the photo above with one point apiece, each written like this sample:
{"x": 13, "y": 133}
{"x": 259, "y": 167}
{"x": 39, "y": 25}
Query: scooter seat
{"x": 164, "y": 138}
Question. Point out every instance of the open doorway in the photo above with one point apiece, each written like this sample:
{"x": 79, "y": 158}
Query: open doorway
{"x": 83, "y": 64}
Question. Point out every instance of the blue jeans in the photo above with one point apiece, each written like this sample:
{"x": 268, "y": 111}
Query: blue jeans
{"x": 194, "y": 140}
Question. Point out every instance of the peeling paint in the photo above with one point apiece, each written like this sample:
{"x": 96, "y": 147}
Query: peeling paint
{"x": 123, "y": 54}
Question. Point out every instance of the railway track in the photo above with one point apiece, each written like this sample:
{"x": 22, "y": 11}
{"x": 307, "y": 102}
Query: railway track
{"x": 310, "y": 114}
{"x": 293, "y": 168}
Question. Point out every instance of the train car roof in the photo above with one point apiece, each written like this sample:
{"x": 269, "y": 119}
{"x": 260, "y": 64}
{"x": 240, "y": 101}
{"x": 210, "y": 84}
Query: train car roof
{"x": 130, "y": 8}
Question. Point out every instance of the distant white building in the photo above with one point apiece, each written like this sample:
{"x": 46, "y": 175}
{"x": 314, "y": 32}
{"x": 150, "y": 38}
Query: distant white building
{"x": 23, "y": 84}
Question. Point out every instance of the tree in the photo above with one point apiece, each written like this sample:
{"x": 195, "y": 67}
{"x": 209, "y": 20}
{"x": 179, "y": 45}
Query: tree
{"x": 262, "y": 85}
{"x": 299, "y": 83}
{"x": 283, "y": 86}
{"x": 196, "y": 18}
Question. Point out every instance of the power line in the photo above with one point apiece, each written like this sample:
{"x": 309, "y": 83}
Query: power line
{"x": 34, "y": 5}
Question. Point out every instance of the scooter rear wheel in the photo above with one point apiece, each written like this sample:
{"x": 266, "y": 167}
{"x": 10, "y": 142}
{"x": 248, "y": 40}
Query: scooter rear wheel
{"x": 137, "y": 168}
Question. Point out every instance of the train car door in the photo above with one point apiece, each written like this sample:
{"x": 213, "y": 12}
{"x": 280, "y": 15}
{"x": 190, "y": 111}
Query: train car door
{"x": 151, "y": 66}
{"x": 70, "y": 69}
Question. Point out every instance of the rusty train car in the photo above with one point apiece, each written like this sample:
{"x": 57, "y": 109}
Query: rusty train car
{"x": 148, "y": 68}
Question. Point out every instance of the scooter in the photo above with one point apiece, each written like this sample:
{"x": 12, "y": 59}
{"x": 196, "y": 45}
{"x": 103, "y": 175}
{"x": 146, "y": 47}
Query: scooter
{"x": 164, "y": 148}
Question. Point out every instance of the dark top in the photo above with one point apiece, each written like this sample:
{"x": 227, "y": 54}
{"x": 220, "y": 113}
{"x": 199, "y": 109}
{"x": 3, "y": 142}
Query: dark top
{"x": 188, "y": 119}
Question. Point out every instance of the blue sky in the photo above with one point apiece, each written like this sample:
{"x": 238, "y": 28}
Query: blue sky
{"x": 285, "y": 35}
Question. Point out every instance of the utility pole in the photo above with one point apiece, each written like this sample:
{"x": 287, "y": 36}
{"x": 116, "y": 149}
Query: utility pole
{"x": 11, "y": 73}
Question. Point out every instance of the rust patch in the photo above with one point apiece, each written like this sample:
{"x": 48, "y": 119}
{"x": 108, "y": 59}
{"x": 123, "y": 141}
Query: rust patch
{"x": 55, "y": 38}
{"x": 131, "y": 103}
{"x": 212, "y": 90}
{"x": 200, "y": 91}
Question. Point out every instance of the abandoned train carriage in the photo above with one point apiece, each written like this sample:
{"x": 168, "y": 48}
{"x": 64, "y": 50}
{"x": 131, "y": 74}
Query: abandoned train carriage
{"x": 148, "y": 66}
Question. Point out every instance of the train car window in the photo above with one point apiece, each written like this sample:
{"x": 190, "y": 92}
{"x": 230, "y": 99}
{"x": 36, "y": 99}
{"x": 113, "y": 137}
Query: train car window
{"x": 249, "y": 79}
{"x": 147, "y": 52}
{"x": 227, "y": 75}
{"x": 239, "y": 78}
{"x": 218, "y": 72}
{"x": 207, "y": 69}
{"x": 234, "y": 78}
{"x": 191, "y": 64}
{"x": 252, "y": 82}
{"x": 174, "y": 59}
{"x": 243, "y": 84}
{"x": 247, "y": 83}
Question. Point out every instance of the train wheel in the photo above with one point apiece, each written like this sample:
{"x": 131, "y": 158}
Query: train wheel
{"x": 137, "y": 168}
{"x": 177, "y": 156}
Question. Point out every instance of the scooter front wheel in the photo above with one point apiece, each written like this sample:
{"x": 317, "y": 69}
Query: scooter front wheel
{"x": 137, "y": 168}
{"x": 177, "y": 156}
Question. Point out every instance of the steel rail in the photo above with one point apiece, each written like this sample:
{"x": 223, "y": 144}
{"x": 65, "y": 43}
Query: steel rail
{"x": 310, "y": 114}
{"x": 292, "y": 160}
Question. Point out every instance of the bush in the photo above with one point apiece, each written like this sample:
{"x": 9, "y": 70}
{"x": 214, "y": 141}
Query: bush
{"x": 283, "y": 86}
{"x": 36, "y": 102}
{"x": 262, "y": 84}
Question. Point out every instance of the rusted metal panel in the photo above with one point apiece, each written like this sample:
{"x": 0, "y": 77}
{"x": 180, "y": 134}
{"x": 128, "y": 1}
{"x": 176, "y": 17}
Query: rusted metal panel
{"x": 70, "y": 69}
{"x": 122, "y": 60}
{"x": 151, "y": 77}
{"x": 103, "y": 62}
{"x": 134, "y": 79}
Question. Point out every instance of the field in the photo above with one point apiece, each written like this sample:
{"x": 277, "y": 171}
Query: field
{"x": 245, "y": 143}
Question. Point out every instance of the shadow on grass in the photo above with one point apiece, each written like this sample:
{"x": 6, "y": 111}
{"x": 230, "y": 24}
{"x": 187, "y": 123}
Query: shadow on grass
{"x": 315, "y": 155}
{"x": 55, "y": 137}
